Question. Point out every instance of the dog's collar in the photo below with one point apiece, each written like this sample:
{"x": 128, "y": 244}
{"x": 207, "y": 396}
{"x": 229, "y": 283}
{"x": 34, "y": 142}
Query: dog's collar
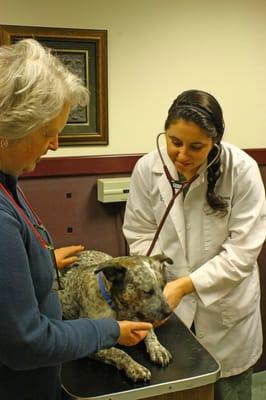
{"x": 104, "y": 292}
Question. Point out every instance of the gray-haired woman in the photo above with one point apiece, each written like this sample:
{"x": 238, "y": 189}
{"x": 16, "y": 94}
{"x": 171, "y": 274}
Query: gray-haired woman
{"x": 36, "y": 95}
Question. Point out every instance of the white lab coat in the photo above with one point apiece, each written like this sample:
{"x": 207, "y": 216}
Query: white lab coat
{"x": 218, "y": 253}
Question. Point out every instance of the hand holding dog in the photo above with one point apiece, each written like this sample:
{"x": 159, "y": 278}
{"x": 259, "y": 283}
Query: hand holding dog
{"x": 175, "y": 290}
{"x": 132, "y": 333}
{"x": 66, "y": 256}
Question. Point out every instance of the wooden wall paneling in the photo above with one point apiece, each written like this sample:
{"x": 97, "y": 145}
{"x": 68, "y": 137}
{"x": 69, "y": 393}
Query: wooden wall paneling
{"x": 69, "y": 209}
{"x": 261, "y": 364}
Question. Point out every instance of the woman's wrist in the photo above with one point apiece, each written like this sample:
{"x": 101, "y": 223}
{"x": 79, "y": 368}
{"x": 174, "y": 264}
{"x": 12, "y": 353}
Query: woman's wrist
{"x": 185, "y": 285}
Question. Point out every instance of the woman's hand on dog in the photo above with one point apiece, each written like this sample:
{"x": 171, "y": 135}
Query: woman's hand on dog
{"x": 175, "y": 290}
{"x": 132, "y": 333}
{"x": 66, "y": 256}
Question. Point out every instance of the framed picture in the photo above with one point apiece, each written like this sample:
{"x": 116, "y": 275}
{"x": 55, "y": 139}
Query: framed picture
{"x": 84, "y": 52}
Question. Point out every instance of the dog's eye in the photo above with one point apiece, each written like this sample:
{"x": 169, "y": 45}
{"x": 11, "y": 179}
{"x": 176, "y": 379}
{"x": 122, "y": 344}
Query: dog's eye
{"x": 148, "y": 292}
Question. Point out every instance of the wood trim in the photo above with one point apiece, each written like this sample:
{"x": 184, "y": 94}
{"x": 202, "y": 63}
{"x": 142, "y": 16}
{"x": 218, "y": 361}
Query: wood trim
{"x": 87, "y": 165}
{"x": 258, "y": 154}
{"x": 97, "y": 165}
{"x": 205, "y": 392}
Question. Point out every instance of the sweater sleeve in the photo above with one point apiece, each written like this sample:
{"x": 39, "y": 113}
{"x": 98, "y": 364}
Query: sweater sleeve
{"x": 29, "y": 338}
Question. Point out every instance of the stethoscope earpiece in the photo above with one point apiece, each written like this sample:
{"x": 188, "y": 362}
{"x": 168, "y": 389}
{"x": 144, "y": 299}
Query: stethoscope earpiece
{"x": 173, "y": 182}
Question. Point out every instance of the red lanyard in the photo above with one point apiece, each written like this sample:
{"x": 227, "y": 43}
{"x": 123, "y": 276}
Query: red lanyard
{"x": 24, "y": 216}
{"x": 44, "y": 244}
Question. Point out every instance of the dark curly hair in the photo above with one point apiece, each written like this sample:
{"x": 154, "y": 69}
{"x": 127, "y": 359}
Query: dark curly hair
{"x": 204, "y": 110}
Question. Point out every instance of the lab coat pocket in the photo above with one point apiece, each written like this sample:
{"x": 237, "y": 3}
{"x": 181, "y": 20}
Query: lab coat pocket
{"x": 241, "y": 302}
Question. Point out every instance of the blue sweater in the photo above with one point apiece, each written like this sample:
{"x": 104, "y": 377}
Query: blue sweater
{"x": 34, "y": 341}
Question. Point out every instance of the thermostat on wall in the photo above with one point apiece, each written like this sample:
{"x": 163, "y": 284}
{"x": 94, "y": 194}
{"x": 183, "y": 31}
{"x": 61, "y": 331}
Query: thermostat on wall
{"x": 110, "y": 190}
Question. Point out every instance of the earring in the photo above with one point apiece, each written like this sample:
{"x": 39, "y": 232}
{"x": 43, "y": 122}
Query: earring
{"x": 4, "y": 143}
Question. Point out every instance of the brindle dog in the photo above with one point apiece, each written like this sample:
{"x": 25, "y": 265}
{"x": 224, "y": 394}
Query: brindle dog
{"x": 133, "y": 287}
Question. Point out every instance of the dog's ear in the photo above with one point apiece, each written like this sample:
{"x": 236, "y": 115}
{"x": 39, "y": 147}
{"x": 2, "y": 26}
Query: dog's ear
{"x": 163, "y": 258}
{"x": 114, "y": 273}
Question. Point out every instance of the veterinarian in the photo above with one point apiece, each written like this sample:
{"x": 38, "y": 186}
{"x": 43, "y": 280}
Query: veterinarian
{"x": 213, "y": 233}
{"x": 36, "y": 94}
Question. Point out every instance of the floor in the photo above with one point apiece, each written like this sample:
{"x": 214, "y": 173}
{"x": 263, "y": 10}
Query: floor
{"x": 259, "y": 386}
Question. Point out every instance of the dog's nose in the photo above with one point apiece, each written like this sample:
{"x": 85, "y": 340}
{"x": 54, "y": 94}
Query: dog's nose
{"x": 166, "y": 311}
{"x": 167, "y": 314}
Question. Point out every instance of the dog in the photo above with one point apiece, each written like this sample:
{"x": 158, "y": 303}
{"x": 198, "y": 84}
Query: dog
{"x": 123, "y": 288}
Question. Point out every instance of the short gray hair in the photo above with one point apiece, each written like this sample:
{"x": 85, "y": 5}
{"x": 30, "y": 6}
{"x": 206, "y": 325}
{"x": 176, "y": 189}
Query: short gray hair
{"x": 34, "y": 86}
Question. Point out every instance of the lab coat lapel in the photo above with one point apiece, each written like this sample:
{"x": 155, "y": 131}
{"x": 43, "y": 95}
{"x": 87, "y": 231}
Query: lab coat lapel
{"x": 176, "y": 213}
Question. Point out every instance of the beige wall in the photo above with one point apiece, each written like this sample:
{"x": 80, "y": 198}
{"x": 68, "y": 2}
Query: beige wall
{"x": 158, "y": 48}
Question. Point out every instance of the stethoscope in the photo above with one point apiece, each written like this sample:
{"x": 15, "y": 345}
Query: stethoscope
{"x": 175, "y": 184}
{"x": 35, "y": 228}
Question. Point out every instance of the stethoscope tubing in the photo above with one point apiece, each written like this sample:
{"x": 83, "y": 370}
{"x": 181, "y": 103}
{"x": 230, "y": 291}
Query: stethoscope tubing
{"x": 175, "y": 194}
{"x": 168, "y": 209}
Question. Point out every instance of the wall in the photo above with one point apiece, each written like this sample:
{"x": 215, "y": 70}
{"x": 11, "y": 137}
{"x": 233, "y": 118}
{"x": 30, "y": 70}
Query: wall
{"x": 158, "y": 48}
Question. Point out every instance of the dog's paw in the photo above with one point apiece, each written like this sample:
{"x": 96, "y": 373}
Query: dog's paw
{"x": 159, "y": 355}
{"x": 137, "y": 372}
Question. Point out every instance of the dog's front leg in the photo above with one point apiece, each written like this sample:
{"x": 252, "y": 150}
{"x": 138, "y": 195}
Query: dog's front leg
{"x": 157, "y": 352}
{"x": 123, "y": 361}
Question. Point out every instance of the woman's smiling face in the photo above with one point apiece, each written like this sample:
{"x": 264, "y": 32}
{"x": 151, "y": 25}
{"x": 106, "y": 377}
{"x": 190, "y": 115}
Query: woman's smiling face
{"x": 188, "y": 146}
